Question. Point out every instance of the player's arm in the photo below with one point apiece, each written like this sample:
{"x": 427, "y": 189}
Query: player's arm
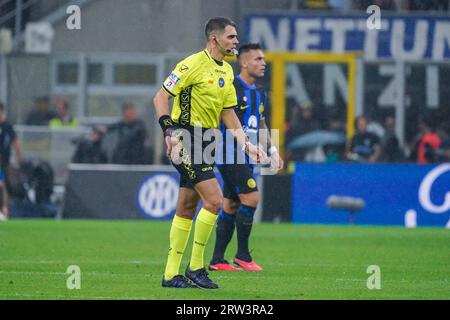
{"x": 276, "y": 163}
{"x": 233, "y": 124}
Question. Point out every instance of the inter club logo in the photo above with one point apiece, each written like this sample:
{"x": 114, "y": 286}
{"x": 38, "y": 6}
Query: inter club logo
{"x": 158, "y": 195}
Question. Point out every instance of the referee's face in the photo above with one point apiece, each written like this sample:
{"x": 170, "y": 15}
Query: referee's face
{"x": 228, "y": 40}
{"x": 255, "y": 63}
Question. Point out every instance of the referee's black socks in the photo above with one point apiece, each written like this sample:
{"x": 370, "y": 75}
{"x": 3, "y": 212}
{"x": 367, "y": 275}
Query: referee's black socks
{"x": 244, "y": 223}
{"x": 224, "y": 233}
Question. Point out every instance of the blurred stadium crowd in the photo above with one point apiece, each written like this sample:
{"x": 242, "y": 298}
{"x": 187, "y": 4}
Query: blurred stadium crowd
{"x": 374, "y": 140}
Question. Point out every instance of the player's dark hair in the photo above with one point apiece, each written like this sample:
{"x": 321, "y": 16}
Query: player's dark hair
{"x": 217, "y": 24}
{"x": 247, "y": 47}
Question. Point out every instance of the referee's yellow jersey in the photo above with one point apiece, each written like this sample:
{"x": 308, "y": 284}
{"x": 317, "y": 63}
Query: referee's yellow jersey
{"x": 202, "y": 88}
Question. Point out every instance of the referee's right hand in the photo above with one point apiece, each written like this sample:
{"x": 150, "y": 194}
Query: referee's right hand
{"x": 174, "y": 146}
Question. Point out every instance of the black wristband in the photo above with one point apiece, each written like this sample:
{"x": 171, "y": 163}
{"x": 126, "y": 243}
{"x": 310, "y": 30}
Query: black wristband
{"x": 165, "y": 122}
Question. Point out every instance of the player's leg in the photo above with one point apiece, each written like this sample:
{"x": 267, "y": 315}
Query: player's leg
{"x": 225, "y": 223}
{"x": 244, "y": 224}
{"x": 179, "y": 235}
{"x": 249, "y": 198}
{"x": 224, "y": 234}
{"x": 211, "y": 196}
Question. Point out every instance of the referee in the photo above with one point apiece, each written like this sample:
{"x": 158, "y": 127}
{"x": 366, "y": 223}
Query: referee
{"x": 202, "y": 87}
{"x": 241, "y": 194}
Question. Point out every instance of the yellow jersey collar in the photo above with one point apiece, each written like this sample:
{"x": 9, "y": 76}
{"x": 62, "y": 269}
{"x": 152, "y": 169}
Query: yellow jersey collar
{"x": 220, "y": 63}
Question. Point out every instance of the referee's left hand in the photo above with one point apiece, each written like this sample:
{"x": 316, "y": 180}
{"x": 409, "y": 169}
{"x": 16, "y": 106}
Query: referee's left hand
{"x": 256, "y": 153}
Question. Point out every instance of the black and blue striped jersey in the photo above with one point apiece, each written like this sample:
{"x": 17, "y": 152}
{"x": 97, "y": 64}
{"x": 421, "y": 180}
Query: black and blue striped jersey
{"x": 251, "y": 103}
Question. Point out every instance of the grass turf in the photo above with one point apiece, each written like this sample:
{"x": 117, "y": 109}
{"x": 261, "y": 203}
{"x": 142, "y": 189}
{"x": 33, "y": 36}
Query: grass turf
{"x": 126, "y": 259}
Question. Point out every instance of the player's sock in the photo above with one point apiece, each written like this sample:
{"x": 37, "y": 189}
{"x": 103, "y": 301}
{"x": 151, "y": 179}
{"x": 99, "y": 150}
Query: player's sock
{"x": 179, "y": 235}
{"x": 203, "y": 227}
{"x": 244, "y": 223}
{"x": 224, "y": 233}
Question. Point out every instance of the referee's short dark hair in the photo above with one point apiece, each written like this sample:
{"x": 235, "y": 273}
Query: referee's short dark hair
{"x": 247, "y": 47}
{"x": 218, "y": 24}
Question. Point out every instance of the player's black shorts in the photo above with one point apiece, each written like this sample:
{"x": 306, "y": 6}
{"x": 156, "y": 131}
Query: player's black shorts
{"x": 237, "y": 178}
{"x": 193, "y": 171}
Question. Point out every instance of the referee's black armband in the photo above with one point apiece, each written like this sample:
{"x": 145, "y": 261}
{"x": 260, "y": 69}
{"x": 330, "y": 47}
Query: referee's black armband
{"x": 166, "y": 123}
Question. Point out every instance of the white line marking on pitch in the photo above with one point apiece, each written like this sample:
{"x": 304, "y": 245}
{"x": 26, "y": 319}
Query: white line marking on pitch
{"x": 24, "y": 295}
{"x": 83, "y": 261}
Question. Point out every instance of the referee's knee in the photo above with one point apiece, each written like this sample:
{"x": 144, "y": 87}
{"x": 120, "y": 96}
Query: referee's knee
{"x": 213, "y": 204}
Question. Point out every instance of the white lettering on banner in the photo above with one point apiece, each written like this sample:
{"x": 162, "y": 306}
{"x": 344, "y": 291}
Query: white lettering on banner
{"x": 305, "y": 36}
{"x": 377, "y": 37}
{"x": 334, "y": 78}
{"x": 398, "y": 39}
{"x": 441, "y": 39}
{"x": 338, "y": 28}
{"x": 260, "y": 29}
{"x": 158, "y": 195}
{"x": 334, "y": 82}
{"x": 296, "y": 88}
{"x": 425, "y": 190}
{"x": 389, "y": 95}
{"x": 370, "y": 39}
{"x": 432, "y": 86}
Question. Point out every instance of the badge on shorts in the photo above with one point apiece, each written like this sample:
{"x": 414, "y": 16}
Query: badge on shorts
{"x": 251, "y": 183}
{"x": 221, "y": 82}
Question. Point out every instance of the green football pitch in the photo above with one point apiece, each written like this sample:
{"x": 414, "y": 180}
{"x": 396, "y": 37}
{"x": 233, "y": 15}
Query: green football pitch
{"x": 126, "y": 259}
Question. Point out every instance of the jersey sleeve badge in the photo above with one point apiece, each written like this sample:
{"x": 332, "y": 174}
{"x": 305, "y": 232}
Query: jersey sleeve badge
{"x": 171, "y": 81}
